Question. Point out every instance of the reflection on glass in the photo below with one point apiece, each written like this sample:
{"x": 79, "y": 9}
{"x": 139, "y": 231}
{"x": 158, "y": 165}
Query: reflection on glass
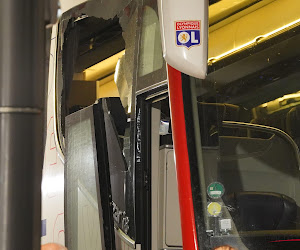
{"x": 83, "y": 224}
{"x": 248, "y": 115}
{"x": 150, "y": 52}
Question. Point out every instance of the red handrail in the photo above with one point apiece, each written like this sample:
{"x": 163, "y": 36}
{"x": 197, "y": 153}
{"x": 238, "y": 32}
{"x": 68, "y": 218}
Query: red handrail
{"x": 188, "y": 227}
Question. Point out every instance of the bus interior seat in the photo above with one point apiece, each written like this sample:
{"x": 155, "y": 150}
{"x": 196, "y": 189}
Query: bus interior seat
{"x": 259, "y": 166}
{"x": 293, "y": 124}
{"x": 262, "y": 211}
{"x": 211, "y": 116}
{"x": 258, "y": 134}
{"x": 275, "y": 120}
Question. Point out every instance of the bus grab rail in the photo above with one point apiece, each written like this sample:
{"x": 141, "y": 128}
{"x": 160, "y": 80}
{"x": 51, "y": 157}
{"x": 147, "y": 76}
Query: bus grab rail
{"x": 267, "y": 129}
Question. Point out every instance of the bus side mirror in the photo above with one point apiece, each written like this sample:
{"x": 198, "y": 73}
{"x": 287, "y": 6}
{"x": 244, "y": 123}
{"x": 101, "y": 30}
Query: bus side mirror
{"x": 184, "y": 34}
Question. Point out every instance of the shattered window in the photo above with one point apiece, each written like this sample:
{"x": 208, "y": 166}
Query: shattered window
{"x": 96, "y": 60}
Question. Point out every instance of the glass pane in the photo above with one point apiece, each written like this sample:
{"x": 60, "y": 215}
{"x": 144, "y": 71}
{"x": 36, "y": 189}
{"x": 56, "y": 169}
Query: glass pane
{"x": 247, "y": 111}
{"x": 150, "y": 52}
{"x": 83, "y": 215}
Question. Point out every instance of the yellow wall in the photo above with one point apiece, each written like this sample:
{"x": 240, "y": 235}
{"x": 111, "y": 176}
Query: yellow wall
{"x": 252, "y": 25}
{"x": 107, "y": 88}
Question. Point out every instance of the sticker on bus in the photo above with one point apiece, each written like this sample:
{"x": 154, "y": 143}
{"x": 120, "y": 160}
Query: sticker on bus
{"x": 188, "y": 33}
{"x": 215, "y": 190}
{"x": 214, "y": 209}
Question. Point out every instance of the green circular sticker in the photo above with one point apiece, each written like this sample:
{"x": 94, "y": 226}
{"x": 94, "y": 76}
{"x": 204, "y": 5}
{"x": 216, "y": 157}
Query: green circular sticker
{"x": 215, "y": 190}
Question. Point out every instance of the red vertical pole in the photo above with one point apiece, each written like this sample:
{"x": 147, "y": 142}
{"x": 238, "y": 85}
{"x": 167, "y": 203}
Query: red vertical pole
{"x": 189, "y": 234}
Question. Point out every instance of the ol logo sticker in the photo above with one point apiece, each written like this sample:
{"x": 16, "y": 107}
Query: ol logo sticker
{"x": 188, "y": 33}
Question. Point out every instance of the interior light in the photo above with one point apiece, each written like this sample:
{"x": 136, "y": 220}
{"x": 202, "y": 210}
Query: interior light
{"x": 252, "y": 42}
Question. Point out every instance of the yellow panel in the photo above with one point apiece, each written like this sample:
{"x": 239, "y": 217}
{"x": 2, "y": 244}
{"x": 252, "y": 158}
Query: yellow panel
{"x": 227, "y": 11}
{"x": 253, "y": 25}
{"x": 224, "y": 8}
{"x": 103, "y": 68}
{"x": 106, "y": 80}
{"x": 99, "y": 70}
{"x": 109, "y": 89}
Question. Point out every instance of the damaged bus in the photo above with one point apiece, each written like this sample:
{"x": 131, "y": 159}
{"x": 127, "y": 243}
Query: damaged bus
{"x": 173, "y": 125}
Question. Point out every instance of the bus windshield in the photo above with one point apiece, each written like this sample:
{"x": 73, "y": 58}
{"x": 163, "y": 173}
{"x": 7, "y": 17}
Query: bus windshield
{"x": 246, "y": 121}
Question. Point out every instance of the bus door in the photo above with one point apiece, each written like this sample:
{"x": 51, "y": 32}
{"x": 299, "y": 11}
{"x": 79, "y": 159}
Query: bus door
{"x": 89, "y": 220}
{"x": 96, "y": 176}
{"x": 94, "y": 83}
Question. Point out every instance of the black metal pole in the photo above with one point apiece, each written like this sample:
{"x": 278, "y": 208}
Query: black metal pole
{"x": 21, "y": 122}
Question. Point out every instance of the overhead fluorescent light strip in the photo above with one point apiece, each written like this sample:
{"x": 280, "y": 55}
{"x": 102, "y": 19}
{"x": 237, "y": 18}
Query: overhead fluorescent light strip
{"x": 256, "y": 40}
